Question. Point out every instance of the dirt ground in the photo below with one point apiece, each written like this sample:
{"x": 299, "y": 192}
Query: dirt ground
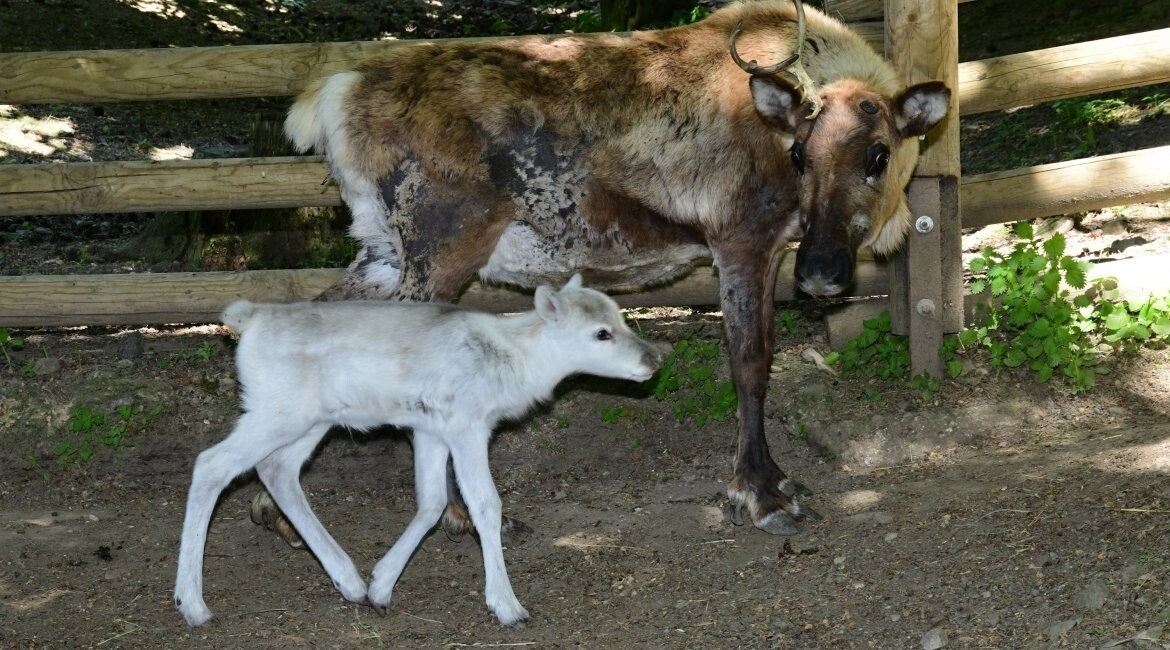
{"x": 998, "y": 513}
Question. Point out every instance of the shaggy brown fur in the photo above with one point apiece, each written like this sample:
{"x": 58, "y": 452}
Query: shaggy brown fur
{"x": 627, "y": 158}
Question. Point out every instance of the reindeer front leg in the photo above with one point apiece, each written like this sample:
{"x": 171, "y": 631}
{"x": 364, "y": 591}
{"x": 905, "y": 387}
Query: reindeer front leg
{"x": 758, "y": 485}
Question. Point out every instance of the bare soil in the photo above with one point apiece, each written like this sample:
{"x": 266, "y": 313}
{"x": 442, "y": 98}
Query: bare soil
{"x": 997, "y": 513}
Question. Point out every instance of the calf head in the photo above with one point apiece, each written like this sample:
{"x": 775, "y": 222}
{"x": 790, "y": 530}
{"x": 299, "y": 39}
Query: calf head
{"x": 853, "y": 161}
{"x": 591, "y": 335}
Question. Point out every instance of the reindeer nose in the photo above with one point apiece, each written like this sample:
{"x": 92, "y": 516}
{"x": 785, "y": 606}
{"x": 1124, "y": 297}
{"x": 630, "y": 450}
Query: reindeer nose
{"x": 821, "y": 273}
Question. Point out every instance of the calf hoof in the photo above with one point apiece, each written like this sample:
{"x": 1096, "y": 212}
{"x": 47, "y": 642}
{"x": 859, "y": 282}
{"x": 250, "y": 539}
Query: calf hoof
{"x": 264, "y": 512}
{"x": 194, "y": 610}
{"x": 514, "y": 617}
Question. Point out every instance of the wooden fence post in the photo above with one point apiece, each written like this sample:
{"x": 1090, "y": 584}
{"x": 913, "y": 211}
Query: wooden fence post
{"x": 926, "y": 285}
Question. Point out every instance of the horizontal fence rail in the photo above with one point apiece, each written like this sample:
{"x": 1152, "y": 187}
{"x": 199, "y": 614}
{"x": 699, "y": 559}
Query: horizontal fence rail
{"x": 282, "y": 70}
{"x": 244, "y": 183}
{"x": 221, "y": 184}
{"x": 1086, "y": 68}
{"x": 199, "y": 297}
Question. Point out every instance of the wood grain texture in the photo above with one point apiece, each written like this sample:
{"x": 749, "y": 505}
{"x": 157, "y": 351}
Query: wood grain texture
{"x": 232, "y": 183}
{"x": 922, "y": 41}
{"x": 200, "y": 72}
{"x": 175, "y": 73}
{"x": 1066, "y": 71}
{"x": 283, "y": 70}
{"x": 153, "y": 298}
{"x": 854, "y": 10}
{"x": 1060, "y": 188}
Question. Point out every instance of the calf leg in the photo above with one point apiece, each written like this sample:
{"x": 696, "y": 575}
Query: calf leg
{"x": 430, "y": 463}
{"x": 475, "y": 479}
{"x": 280, "y": 472}
{"x": 254, "y": 437}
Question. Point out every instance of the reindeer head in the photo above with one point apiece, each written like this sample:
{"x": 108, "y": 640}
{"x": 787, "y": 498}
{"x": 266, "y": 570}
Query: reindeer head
{"x": 853, "y": 161}
{"x": 591, "y": 336}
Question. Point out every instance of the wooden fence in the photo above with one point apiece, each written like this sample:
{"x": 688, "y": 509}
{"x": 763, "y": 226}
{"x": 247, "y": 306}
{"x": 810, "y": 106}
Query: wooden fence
{"x": 921, "y": 35}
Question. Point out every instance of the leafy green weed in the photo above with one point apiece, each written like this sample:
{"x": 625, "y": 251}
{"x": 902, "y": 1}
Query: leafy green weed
{"x": 688, "y": 379}
{"x": 92, "y": 429}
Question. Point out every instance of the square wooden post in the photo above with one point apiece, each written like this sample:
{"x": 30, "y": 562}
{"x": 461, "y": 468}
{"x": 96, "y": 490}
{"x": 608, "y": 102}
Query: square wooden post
{"x": 926, "y": 279}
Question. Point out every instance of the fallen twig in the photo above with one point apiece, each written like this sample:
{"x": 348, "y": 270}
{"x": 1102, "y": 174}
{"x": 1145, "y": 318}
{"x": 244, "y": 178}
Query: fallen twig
{"x": 135, "y": 628}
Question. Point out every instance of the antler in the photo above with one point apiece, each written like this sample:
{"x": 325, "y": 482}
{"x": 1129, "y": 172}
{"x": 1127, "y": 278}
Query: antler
{"x": 807, "y": 87}
{"x": 751, "y": 67}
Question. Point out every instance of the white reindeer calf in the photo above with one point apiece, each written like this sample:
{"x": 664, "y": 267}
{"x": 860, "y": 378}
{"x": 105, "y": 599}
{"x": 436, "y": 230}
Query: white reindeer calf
{"x": 447, "y": 373}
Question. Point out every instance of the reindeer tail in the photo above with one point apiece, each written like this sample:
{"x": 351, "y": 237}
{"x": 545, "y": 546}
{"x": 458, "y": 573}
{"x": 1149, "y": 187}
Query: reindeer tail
{"x": 308, "y": 124}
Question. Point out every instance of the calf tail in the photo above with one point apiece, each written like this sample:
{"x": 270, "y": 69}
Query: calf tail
{"x": 238, "y": 315}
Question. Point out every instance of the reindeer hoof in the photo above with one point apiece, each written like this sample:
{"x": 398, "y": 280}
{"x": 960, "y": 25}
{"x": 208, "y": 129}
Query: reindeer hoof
{"x": 810, "y": 515}
{"x": 264, "y": 512}
{"x": 791, "y": 488}
{"x": 514, "y": 529}
{"x": 778, "y": 523}
{"x": 735, "y": 513}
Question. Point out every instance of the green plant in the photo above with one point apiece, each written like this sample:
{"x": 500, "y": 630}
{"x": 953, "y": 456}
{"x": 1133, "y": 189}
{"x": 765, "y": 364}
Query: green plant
{"x": 1080, "y": 118}
{"x": 688, "y": 379}
{"x": 688, "y": 16}
{"x": 786, "y": 321}
{"x": 7, "y": 344}
{"x": 615, "y": 414}
{"x": 588, "y": 21}
{"x": 501, "y": 27}
{"x": 202, "y": 353}
{"x": 1033, "y": 320}
{"x": 93, "y": 430}
{"x": 876, "y": 352}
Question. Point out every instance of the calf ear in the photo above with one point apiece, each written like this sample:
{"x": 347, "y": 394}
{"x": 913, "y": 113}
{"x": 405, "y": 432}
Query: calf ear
{"x": 777, "y": 101}
{"x": 920, "y": 107}
{"x": 574, "y": 282}
{"x": 548, "y": 305}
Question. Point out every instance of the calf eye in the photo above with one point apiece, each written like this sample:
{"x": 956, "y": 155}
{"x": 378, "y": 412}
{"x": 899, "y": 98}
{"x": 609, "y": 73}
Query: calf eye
{"x": 877, "y": 156}
{"x": 796, "y": 153}
{"x": 603, "y": 335}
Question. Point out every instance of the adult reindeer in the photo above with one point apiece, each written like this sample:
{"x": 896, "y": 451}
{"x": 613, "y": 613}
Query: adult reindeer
{"x": 628, "y": 158}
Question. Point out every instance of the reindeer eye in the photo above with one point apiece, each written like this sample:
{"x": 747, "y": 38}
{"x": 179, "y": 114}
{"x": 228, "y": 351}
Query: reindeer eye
{"x": 796, "y": 153}
{"x": 877, "y": 157}
{"x": 603, "y": 335}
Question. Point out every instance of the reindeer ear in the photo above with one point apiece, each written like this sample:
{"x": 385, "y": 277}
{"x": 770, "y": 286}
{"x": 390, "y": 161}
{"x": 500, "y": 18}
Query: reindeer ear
{"x": 920, "y": 107}
{"x": 574, "y": 282}
{"x": 777, "y": 101}
{"x": 548, "y": 304}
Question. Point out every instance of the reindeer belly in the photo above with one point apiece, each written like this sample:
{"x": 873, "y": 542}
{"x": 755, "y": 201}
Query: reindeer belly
{"x": 528, "y": 256}
{"x": 567, "y": 219}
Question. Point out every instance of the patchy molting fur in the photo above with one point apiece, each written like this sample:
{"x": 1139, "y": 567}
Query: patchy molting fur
{"x": 628, "y": 158}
